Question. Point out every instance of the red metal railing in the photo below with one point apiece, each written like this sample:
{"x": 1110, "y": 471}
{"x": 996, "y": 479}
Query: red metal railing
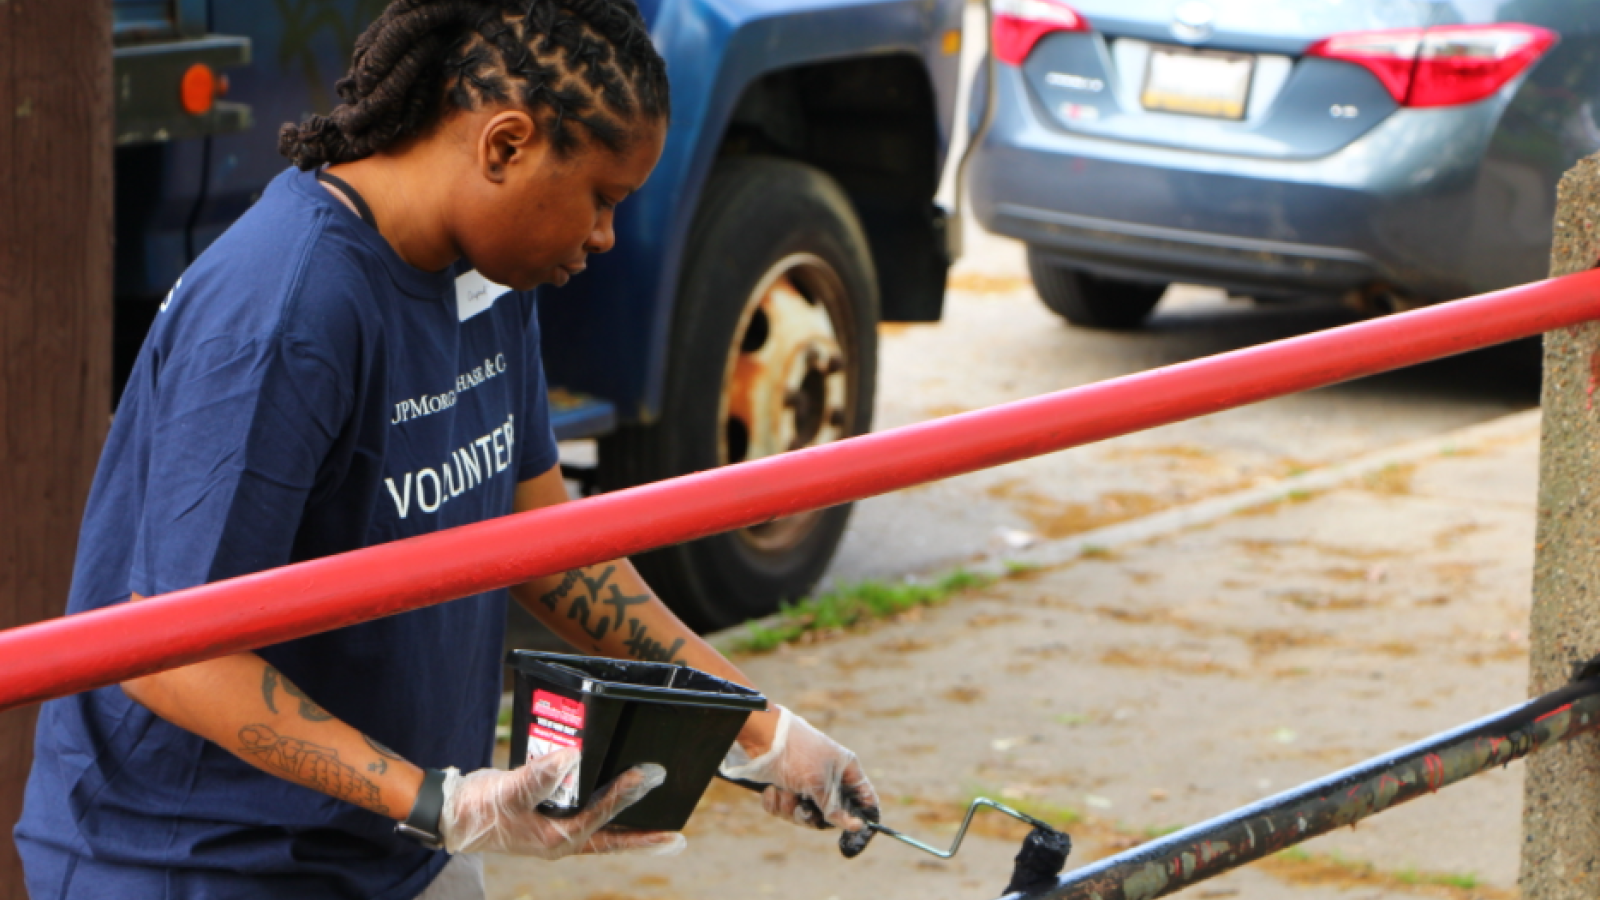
{"x": 75, "y": 653}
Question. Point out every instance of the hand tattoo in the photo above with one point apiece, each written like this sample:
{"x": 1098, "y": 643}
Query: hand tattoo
{"x": 310, "y": 764}
{"x": 271, "y": 679}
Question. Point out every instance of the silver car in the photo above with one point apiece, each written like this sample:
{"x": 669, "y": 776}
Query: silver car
{"x": 1395, "y": 152}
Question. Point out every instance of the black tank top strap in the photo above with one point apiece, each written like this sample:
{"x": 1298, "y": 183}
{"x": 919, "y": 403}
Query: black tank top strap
{"x": 360, "y": 202}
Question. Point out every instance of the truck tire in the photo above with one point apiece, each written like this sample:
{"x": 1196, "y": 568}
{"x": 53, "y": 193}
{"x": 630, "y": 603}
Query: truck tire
{"x": 773, "y": 348}
{"x": 1091, "y": 302}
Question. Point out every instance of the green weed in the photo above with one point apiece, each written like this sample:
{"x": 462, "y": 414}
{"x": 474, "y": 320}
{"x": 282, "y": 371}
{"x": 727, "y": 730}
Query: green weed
{"x": 1050, "y": 813}
{"x": 852, "y": 606}
{"x": 1465, "y": 881}
{"x": 1297, "y": 865}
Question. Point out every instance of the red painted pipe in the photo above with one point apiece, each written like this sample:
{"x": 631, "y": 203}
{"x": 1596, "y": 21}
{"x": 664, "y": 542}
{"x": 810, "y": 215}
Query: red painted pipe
{"x": 75, "y": 653}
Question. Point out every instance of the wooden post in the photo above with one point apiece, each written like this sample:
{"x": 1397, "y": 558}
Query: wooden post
{"x": 1561, "y": 808}
{"x": 55, "y": 321}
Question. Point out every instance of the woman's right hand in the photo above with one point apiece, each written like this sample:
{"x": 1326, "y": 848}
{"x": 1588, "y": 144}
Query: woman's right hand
{"x": 492, "y": 811}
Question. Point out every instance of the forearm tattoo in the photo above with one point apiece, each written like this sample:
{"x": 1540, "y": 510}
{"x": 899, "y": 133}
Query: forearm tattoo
{"x": 379, "y": 765}
{"x": 272, "y": 679}
{"x": 310, "y": 764}
{"x": 600, "y": 608}
{"x": 382, "y": 750}
{"x": 642, "y": 646}
{"x": 269, "y": 685}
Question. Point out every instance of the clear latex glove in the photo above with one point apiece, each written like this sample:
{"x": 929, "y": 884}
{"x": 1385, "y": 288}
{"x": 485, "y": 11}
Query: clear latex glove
{"x": 805, "y": 763}
{"x": 491, "y": 811}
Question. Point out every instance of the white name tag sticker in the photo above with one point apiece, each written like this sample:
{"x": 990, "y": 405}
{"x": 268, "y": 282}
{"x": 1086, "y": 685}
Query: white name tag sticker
{"x": 475, "y": 293}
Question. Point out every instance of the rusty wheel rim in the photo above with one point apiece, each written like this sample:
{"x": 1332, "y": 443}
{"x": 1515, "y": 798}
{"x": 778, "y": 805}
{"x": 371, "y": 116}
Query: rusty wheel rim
{"x": 790, "y": 380}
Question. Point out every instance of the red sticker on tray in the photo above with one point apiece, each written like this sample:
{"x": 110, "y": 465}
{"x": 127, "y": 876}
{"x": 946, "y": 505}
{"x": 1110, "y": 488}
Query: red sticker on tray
{"x": 554, "y": 706}
{"x": 557, "y": 722}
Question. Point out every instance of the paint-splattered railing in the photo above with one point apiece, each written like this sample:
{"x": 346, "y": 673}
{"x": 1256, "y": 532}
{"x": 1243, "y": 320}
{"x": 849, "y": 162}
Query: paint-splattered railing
{"x": 1206, "y": 850}
{"x": 63, "y": 656}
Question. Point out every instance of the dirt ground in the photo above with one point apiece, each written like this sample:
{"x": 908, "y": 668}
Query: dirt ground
{"x": 1153, "y": 685}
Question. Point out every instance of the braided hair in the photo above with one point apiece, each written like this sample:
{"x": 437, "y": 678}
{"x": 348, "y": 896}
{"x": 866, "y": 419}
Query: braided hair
{"x": 583, "y": 63}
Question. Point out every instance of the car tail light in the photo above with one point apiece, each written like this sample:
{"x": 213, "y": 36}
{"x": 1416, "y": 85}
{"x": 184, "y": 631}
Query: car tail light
{"x": 1441, "y": 66}
{"x": 1464, "y": 64}
{"x": 1019, "y": 24}
{"x": 1390, "y": 55}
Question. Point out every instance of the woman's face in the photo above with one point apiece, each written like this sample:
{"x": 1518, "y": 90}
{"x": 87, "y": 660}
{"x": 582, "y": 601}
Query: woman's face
{"x": 529, "y": 217}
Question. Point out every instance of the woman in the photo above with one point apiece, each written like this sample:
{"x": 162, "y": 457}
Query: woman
{"x": 352, "y": 363}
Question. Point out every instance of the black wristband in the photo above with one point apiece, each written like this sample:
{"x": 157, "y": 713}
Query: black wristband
{"x": 422, "y": 825}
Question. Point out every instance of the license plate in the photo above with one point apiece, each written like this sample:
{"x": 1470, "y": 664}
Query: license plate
{"x": 1209, "y": 83}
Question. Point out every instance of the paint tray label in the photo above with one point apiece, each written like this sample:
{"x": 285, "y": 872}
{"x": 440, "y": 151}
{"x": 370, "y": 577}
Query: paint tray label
{"x": 557, "y": 723}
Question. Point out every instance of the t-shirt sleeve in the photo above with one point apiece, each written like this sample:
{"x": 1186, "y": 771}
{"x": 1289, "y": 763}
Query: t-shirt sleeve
{"x": 238, "y": 430}
{"x": 539, "y": 450}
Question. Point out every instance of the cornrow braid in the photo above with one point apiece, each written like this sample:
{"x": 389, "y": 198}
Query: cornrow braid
{"x": 584, "y": 68}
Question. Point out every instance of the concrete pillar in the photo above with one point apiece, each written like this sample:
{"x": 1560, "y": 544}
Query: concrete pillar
{"x": 1561, "y": 808}
{"x": 55, "y": 321}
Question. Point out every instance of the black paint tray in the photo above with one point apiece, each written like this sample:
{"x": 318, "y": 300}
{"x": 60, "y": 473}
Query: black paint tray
{"x": 621, "y": 714}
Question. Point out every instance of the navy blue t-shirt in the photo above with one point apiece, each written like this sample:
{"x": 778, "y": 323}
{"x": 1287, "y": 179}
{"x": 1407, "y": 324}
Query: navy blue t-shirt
{"x": 303, "y": 392}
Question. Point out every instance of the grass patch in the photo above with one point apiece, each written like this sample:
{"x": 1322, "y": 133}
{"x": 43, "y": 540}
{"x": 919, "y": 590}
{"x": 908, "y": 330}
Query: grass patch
{"x": 853, "y": 606}
{"x": 1391, "y": 479}
{"x": 1444, "y": 879}
{"x": 1052, "y": 813}
{"x": 1298, "y": 867}
{"x": 998, "y": 824}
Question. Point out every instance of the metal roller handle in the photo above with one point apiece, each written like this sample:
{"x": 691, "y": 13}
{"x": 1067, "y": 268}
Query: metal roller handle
{"x": 902, "y": 837}
{"x": 960, "y": 832}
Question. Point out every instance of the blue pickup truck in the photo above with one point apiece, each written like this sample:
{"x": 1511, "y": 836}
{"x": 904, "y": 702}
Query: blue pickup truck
{"x": 793, "y": 210}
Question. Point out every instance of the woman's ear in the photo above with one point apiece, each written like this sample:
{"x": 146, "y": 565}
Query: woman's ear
{"x": 509, "y": 138}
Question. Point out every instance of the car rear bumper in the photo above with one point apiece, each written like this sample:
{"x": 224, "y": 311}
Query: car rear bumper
{"x": 1387, "y": 208}
{"x": 1137, "y": 252}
